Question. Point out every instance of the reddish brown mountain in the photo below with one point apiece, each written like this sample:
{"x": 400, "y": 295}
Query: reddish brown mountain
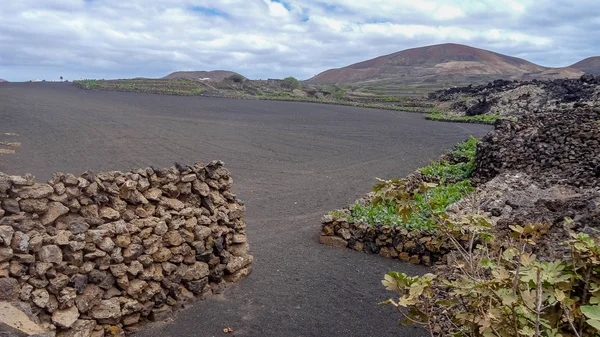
{"x": 215, "y": 75}
{"x": 442, "y": 64}
{"x": 589, "y": 65}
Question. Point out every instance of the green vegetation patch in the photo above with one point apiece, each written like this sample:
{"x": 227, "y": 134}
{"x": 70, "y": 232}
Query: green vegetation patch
{"x": 416, "y": 210}
{"x": 447, "y": 117}
{"x": 386, "y": 212}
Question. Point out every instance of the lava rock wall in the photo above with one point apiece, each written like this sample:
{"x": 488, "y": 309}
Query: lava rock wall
{"x": 104, "y": 253}
{"x": 553, "y": 148}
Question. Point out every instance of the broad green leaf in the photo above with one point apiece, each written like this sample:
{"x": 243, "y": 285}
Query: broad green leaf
{"x": 591, "y": 311}
{"x": 594, "y": 323}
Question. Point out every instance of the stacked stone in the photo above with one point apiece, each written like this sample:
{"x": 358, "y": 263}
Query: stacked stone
{"x": 418, "y": 247}
{"x": 554, "y": 147}
{"x": 106, "y": 252}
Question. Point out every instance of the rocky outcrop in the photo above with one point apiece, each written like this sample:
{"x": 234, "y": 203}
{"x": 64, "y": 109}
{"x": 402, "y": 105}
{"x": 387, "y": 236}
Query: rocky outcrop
{"x": 104, "y": 253}
{"x": 516, "y": 98}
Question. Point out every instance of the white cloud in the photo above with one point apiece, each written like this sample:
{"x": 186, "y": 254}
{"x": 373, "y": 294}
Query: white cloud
{"x": 275, "y": 38}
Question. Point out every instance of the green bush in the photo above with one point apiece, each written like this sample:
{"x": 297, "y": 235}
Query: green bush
{"x": 291, "y": 83}
{"x": 236, "y": 78}
{"x": 503, "y": 290}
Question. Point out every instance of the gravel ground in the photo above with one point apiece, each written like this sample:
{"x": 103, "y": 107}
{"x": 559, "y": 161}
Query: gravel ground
{"x": 291, "y": 163}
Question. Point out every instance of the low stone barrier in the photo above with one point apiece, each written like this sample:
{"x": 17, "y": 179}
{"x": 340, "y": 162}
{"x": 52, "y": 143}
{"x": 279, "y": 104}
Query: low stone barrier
{"x": 418, "y": 247}
{"x": 104, "y": 253}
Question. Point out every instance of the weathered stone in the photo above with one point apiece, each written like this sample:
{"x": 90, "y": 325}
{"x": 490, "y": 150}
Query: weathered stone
{"x": 172, "y": 203}
{"x": 20, "y": 242}
{"x": 131, "y": 318}
{"x": 6, "y": 254}
{"x": 50, "y": 254}
{"x": 136, "y": 288}
{"x": 161, "y": 314}
{"x": 333, "y": 241}
{"x": 109, "y": 213}
{"x": 9, "y": 289}
{"x": 135, "y": 268}
{"x": 239, "y": 238}
{"x": 40, "y": 297}
{"x": 81, "y": 328}
{"x": 119, "y": 270}
{"x": 238, "y": 275}
{"x": 65, "y": 318}
{"x": 153, "y": 194}
{"x": 6, "y": 234}
{"x": 55, "y": 209}
{"x": 34, "y": 205}
{"x": 106, "y": 309}
{"x": 106, "y": 244}
{"x": 15, "y": 322}
{"x": 35, "y": 191}
{"x": 238, "y": 262}
{"x": 78, "y": 227}
{"x": 197, "y": 271}
{"x": 388, "y": 252}
{"x": 11, "y": 205}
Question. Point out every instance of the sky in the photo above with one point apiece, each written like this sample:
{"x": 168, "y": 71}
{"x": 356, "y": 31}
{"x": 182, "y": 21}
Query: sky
{"x": 76, "y": 39}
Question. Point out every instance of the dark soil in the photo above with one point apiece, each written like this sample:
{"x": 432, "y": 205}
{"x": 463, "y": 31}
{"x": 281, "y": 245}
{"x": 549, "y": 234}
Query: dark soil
{"x": 291, "y": 163}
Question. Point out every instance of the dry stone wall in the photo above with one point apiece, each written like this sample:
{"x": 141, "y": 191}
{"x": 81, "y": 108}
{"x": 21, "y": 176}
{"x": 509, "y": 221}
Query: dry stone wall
{"x": 104, "y": 253}
{"x": 418, "y": 247}
{"x": 553, "y": 148}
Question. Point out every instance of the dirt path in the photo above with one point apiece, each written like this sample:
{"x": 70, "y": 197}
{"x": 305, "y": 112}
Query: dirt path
{"x": 291, "y": 162}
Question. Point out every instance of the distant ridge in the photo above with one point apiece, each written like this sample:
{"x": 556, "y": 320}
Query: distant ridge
{"x": 589, "y": 65}
{"x": 444, "y": 64}
{"x": 3, "y": 80}
{"x": 214, "y": 75}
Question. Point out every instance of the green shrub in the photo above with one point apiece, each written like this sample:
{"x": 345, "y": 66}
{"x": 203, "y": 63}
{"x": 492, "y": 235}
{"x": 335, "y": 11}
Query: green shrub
{"x": 464, "y": 156}
{"x": 236, "y": 78}
{"x": 394, "y": 205}
{"x": 503, "y": 290}
{"x": 88, "y": 84}
{"x": 291, "y": 83}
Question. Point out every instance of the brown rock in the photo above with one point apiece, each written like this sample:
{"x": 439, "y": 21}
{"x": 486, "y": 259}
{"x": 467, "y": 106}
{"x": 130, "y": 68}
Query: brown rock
{"x": 388, "y": 252}
{"x": 404, "y": 256}
{"x": 6, "y": 234}
{"x": 50, "y": 254}
{"x": 9, "y": 289}
{"x": 333, "y": 241}
{"x": 239, "y": 238}
{"x": 81, "y": 328}
{"x": 65, "y": 318}
{"x": 131, "y": 319}
{"x": 35, "y": 191}
{"x": 40, "y": 297}
{"x": 153, "y": 194}
{"x": 109, "y": 213}
{"x": 15, "y": 322}
{"x": 238, "y": 262}
{"x": 55, "y": 209}
{"x": 160, "y": 314}
{"x": 106, "y": 309}
{"x": 162, "y": 255}
{"x": 172, "y": 238}
{"x": 20, "y": 242}
{"x": 197, "y": 271}
{"x": 238, "y": 275}
{"x": 11, "y": 205}
{"x": 34, "y": 205}
{"x": 6, "y": 254}
{"x": 172, "y": 204}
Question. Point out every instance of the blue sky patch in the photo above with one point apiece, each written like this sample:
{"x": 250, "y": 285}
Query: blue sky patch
{"x": 209, "y": 11}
